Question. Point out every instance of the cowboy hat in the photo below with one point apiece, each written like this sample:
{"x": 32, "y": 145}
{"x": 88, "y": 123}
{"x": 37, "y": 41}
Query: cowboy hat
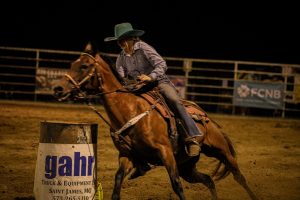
{"x": 124, "y": 30}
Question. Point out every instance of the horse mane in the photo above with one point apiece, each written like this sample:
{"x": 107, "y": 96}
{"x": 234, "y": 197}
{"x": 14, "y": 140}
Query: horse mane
{"x": 112, "y": 65}
{"x": 92, "y": 49}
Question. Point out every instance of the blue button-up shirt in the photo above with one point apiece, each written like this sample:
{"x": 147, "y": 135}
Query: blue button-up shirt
{"x": 144, "y": 60}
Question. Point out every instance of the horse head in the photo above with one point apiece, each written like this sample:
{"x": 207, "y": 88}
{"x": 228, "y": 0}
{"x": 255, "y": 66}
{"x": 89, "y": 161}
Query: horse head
{"x": 83, "y": 78}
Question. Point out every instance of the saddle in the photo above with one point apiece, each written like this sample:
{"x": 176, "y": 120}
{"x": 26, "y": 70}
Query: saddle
{"x": 152, "y": 95}
{"x": 197, "y": 113}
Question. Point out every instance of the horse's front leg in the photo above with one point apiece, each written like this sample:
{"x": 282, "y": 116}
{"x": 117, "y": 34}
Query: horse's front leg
{"x": 125, "y": 166}
{"x": 169, "y": 161}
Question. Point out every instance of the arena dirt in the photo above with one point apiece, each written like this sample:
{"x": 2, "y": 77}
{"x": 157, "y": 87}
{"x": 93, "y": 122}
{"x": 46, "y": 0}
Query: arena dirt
{"x": 268, "y": 151}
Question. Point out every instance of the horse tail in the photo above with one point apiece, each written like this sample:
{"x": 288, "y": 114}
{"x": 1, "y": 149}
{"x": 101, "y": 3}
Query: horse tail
{"x": 222, "y": 171}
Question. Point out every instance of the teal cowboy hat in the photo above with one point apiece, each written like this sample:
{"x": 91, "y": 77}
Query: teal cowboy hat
{"x": 124, "y": 30}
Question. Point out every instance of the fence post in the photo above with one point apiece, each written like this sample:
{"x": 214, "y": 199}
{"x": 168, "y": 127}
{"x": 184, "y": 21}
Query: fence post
{"x": 285, "y": 74}
{"x": 187, "y": 67}
{"x": 234, "y": 79}
{"x": 37, "y": 57}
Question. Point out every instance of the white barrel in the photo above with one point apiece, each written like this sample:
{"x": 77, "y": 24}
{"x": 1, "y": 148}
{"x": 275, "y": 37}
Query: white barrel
{"x": 66, "y": 167}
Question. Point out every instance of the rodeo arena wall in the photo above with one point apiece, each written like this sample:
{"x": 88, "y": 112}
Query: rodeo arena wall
{"x": 218, "y": 86}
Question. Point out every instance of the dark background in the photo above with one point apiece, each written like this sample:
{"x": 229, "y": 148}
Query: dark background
{"x": 253, "y": 32}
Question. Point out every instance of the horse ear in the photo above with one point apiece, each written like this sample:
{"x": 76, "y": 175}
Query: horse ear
{"x": 89, "y": 49}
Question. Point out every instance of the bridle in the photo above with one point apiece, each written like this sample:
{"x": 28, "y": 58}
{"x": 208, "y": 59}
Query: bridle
{"x": 76, "y": 84}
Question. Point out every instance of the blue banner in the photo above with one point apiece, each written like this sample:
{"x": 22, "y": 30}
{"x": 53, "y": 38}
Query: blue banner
{"x": 258, "y": 95}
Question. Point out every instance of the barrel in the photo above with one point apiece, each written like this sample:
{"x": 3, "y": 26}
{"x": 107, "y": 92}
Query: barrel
{"x": 66, "y": 165}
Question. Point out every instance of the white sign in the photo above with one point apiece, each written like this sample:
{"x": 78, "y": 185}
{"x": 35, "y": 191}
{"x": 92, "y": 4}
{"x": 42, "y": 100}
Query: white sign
{"x": 65, "y": 172}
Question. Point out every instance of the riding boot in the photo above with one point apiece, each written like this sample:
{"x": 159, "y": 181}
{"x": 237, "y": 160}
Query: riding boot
{"x": 193, "y": 147}
{"x": 194, "y": 136}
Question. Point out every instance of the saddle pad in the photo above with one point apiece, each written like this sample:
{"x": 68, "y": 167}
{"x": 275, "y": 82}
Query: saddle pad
{"x": 192, "y": 108}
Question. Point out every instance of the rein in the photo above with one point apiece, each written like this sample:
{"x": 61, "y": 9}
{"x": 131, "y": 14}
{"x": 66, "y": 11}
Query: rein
{"x": 111, "y": 92}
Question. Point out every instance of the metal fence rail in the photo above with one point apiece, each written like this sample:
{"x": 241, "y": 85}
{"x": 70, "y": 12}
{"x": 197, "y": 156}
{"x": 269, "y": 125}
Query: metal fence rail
{"x": 209, "y": 83}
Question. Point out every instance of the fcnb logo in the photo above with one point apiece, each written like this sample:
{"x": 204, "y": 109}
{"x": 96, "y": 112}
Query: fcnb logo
{"x": 244, "y": 91}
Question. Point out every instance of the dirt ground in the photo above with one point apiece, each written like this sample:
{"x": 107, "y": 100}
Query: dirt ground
{"x": 268, "y": 151}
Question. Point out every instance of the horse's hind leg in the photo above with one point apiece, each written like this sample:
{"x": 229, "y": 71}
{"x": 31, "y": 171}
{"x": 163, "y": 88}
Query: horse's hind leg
{"x": 232, "y": 165}
{"x": 125, "y": 167}
{"x": 192, "y": 175}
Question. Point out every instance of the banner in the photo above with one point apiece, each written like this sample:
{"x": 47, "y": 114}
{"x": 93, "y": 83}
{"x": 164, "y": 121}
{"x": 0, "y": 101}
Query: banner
{"x": 47, "y": 78}
{"x": 258, "y": 95}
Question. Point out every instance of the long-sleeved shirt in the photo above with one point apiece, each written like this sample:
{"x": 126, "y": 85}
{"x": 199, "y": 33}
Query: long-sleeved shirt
{"x": 144, "y": 60}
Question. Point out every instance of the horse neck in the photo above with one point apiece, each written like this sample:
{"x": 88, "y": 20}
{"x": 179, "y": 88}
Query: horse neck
{"x": 119, "y": 106}
{"x": 109, "y": 81}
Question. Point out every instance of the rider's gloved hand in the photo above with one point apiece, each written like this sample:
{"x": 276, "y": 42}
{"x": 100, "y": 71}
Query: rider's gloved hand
{"x": 144, "y": 78}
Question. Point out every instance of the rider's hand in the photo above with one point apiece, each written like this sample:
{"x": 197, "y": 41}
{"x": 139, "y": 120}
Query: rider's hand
{"x": 144, "y": 78}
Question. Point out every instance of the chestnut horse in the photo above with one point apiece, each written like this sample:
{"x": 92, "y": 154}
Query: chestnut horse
{"x": 146, "y": 142}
